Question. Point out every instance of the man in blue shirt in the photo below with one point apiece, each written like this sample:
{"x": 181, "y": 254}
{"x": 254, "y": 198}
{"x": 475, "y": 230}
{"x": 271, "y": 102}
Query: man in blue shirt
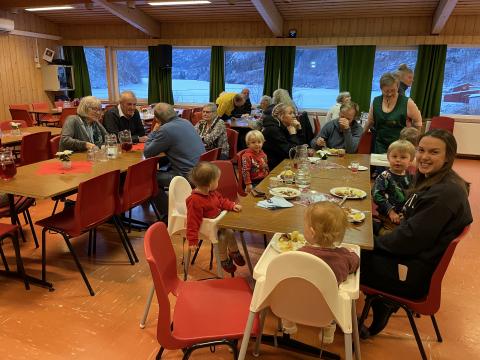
{"x": 177, "y": 138}
{"x": 341, "y": 133}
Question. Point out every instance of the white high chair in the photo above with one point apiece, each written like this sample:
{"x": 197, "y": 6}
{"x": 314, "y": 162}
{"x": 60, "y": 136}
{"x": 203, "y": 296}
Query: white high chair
{"x": 302, "y": 288}
{"x": 179, "y": 191}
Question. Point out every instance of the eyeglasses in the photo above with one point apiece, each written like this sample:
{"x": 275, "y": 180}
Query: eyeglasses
{"x": 96, "y": 109}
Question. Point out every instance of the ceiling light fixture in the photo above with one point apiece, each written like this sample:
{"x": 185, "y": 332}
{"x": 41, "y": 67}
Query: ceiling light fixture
{"x": 50, "y": 8}
{"x": 179, "y": 2}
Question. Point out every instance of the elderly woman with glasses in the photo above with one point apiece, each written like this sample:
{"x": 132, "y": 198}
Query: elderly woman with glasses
{"x": 83, "y": 131}
{"x": 213, "y": 131}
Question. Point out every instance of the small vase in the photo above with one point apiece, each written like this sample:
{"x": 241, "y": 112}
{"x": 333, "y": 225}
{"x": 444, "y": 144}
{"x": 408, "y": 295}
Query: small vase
{"x": 66, "y": 164}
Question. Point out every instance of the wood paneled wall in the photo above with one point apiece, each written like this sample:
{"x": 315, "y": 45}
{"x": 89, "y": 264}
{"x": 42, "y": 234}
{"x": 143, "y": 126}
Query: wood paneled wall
{"x": 20, "y": 81}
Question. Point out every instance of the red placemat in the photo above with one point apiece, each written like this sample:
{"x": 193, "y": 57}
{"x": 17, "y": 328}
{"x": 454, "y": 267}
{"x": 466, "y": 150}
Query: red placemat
{"x": 56, "y": 167}
{"x": 138, "y": 146}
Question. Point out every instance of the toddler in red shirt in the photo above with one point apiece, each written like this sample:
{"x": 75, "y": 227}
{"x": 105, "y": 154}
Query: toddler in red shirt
{"x": 205, "y": 202}
{"x": 254, "y": 160}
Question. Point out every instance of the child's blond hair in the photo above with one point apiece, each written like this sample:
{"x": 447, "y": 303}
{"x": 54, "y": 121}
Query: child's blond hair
{"x": 203, "y": 174}
{"x": 329, "y": 223}
{"x": 254, "y": 135}
{"x": 410, "y": 134}
{"x": 403, "y": 146}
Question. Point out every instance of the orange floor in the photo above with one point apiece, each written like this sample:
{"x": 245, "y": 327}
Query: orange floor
{"x": 68, "y": 323}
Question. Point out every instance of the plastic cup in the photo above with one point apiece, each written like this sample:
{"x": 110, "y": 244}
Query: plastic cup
{"x": 354, "y": 167}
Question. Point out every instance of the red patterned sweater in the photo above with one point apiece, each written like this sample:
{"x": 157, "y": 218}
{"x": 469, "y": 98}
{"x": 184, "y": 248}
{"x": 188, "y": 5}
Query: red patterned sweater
{"x": 254, "y": 166}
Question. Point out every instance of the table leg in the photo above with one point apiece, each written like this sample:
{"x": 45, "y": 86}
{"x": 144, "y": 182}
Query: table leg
{"x": 245, "y": 251}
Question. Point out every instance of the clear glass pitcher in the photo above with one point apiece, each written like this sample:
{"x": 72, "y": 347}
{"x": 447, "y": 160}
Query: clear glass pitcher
{"x": 112, "y": 146}
{"x": 299, "y": 155}
{"x": 7, "y": 165}
{"x": 125, "y": 138}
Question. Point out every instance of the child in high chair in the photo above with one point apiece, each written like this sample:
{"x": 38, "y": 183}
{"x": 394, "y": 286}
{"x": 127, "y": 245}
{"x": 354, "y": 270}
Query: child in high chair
{"x": 325, "y": 224}
{"x": 205, "y": 202}
{"x": 254, "y": 160}
{"x": 389, "y": 190}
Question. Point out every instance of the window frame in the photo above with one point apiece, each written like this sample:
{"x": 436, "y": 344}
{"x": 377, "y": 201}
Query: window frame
{"x": 105, "y": 48}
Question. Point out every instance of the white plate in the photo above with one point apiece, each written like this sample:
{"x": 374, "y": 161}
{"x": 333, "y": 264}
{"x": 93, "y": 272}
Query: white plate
{"x": 279, "y": 177}
{"x": 354, "y": 193}
{"x": 354, "y": 215}
{"x": 284, "y": 246}
{"x": 360, "y": 168}
{"x": 285, "y": 192}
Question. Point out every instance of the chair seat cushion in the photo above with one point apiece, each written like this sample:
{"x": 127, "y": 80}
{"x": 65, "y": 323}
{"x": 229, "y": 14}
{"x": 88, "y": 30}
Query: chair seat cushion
{"x": 62, "y": 222}
{"x": 417, "y": 305}
{"x": 6, "y": 229}
{"x": 212, "y": 309}
{"x": 22, "y": 203}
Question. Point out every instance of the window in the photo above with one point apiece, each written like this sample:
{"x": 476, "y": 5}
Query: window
{"x": 461, "y": 84}
{"x": 97, "y": 70}
{"x": 132, "y": 72}
{"x": 244, "y": 69}
{"x": 315, "y": 80}
{"x": 191, "y": 75}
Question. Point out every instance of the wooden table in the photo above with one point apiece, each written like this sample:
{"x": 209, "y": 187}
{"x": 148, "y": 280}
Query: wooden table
{"x": 37, "y": 113}
{"x": 10, "y": 140}
{"x": 255, "y": 219}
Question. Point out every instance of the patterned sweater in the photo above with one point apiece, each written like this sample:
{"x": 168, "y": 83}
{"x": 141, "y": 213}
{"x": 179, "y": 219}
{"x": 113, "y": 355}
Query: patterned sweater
{"x": 214, "y": 136}
{"x": 254, "y": 166}
{"x": 388, "y": 192}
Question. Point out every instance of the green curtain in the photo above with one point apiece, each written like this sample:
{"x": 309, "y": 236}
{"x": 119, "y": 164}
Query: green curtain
{"x": 429, "y": 72}
{"x": 217, "y": 72}
{"x": 76, "y": 56}
{"x": 355, "y": 72}
{"x": 159, "y": 78}
{"x": 279, "y": 67}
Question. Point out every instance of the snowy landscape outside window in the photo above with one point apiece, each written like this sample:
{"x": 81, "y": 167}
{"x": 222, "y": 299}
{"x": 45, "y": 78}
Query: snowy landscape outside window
{"x": 315, "y": 80}
{"x": 461, "y": 84}
{"x": 97, "y": 70}
{"x": 191, "y": 75}
{"x": 132, "y": 70}
{"x": 244, "y": 69}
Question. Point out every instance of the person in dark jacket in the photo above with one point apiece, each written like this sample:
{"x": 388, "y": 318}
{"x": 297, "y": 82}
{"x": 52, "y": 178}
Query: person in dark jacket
{"x": 280, "y": 132}
{"x": 246, "y": 108}
{"x": 435, "y": 213}
{"x": 125, "y": 116}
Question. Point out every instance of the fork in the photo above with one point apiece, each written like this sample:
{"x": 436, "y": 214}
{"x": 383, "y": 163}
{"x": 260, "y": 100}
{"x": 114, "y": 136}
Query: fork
{"x": 343, "y": 200}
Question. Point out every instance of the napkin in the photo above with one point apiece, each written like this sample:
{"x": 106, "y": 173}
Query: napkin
{"x": 275, "y": 202}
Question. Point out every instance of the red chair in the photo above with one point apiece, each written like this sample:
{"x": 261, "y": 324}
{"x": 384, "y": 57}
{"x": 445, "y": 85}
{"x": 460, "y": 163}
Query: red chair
{"x": 207, "y": 313}
{"x": 187, "y": 114}
{"x": 35, "y": 148}
{"x": 210, "y": 155}
{"x": 21, "y": 114}
{"x": 96, "y": 203}
{"x": 241, "y": 184}
{"x": 227, "y": 185}
{"x": 54, "y": 145}
{"x": 232, "y": 137}
{"x": 442, "y": 122}
{"x": 10, "y": 231}
{"x": 45, "y": 119}
{"x": 316, "y": 123}
{"x": 66, "y": 112}
{"x": 365, "y": 144}
{"x": 196, "y": 117}
{"x": 429, "y": 305}
{"x": 7, "y": 125}
{"x": 19, "y": 106}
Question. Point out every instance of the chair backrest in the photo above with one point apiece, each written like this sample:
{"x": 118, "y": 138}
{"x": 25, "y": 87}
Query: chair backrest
{"x": 140, "y": 184}
{"x": 54, "y": 145}
{"x": 196, "y": 117}
{"x": 308, "y": 282}
{"x": 232, "y": 138}
{"x": 433, "y": 299}
{"x": 6, "y": 125}
{"x": 22, "y": 114}
{"x": 365, "y": 144}
{"x": 210, "y": 155}
{"x": 19, "y": 106}
{"x": 442, "y": 122}
{"x": 163, "y": 266}
{"x": 35, "y": 148}
{"x": 97, "y": 200}
{"x": 187, "y": 114}
{"x": 66, "y": 112}
{"x": 241, "y": 184}
{"x": 41, "y": 106}
{"x": 316, "y": 123}
{"x": 59, "y": 104}
{"x": 227, "y": 185}
{"x": 178, "y": 192}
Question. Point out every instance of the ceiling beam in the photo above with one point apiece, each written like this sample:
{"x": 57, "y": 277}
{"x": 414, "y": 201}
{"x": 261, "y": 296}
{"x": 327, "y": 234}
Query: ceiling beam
{"x": 270, "y": 14}
{"x": 442, "y": 13}
{"x": 134, "y": 17}
{"x": 5, "y": 4}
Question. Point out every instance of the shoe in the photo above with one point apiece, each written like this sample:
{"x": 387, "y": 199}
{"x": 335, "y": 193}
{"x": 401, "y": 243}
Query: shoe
{"x": 363, "y": 332}
{"x": 327, "y": 334}
{"x": 228, "y": 266}
{"x": 237, "y": 258}
{"x": 381, "y": 314}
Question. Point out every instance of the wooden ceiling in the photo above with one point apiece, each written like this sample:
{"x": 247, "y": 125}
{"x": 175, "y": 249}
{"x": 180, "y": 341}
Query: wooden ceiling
{"x": 244, "y": 10}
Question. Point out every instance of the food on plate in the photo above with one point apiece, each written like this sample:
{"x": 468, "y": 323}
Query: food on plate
{"x": 354, "y": 215}
{"x": 288, "y": 173}
{"x": 291, "y": 241}
{"x": 349, "y": 192}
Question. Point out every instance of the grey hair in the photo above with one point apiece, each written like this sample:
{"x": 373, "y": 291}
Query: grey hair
{"x": 342, "y": 96}
{"x": 280, "y": 109}
{"x": 164, "y": 112}
{"x": 212, "y": 107}
{"x": 282, "y": 96}
{"x": 350, "y": 106}
{"x": 266, "y": 98}
{"x": 388, "y": 79}
{"x": 125, "y": 93}
{"x": 87, "y": 103}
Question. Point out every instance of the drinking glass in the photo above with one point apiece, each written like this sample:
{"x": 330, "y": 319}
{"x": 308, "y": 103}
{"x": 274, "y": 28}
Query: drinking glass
{"x": 341, "y": 152}
{"x": 274, "y": 182}
{"x": 101, "y": 155}
{"x": 354, "y": 167}
{"x": 112, "y": 146}
{"x": 7, "y": 165}
{"x": 303, "y": 177}
{"x": 288, "y": 175}
{"x": 125, "y": 138}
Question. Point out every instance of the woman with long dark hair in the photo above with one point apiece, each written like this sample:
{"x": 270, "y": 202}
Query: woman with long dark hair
{"x": 436, "y": 212}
